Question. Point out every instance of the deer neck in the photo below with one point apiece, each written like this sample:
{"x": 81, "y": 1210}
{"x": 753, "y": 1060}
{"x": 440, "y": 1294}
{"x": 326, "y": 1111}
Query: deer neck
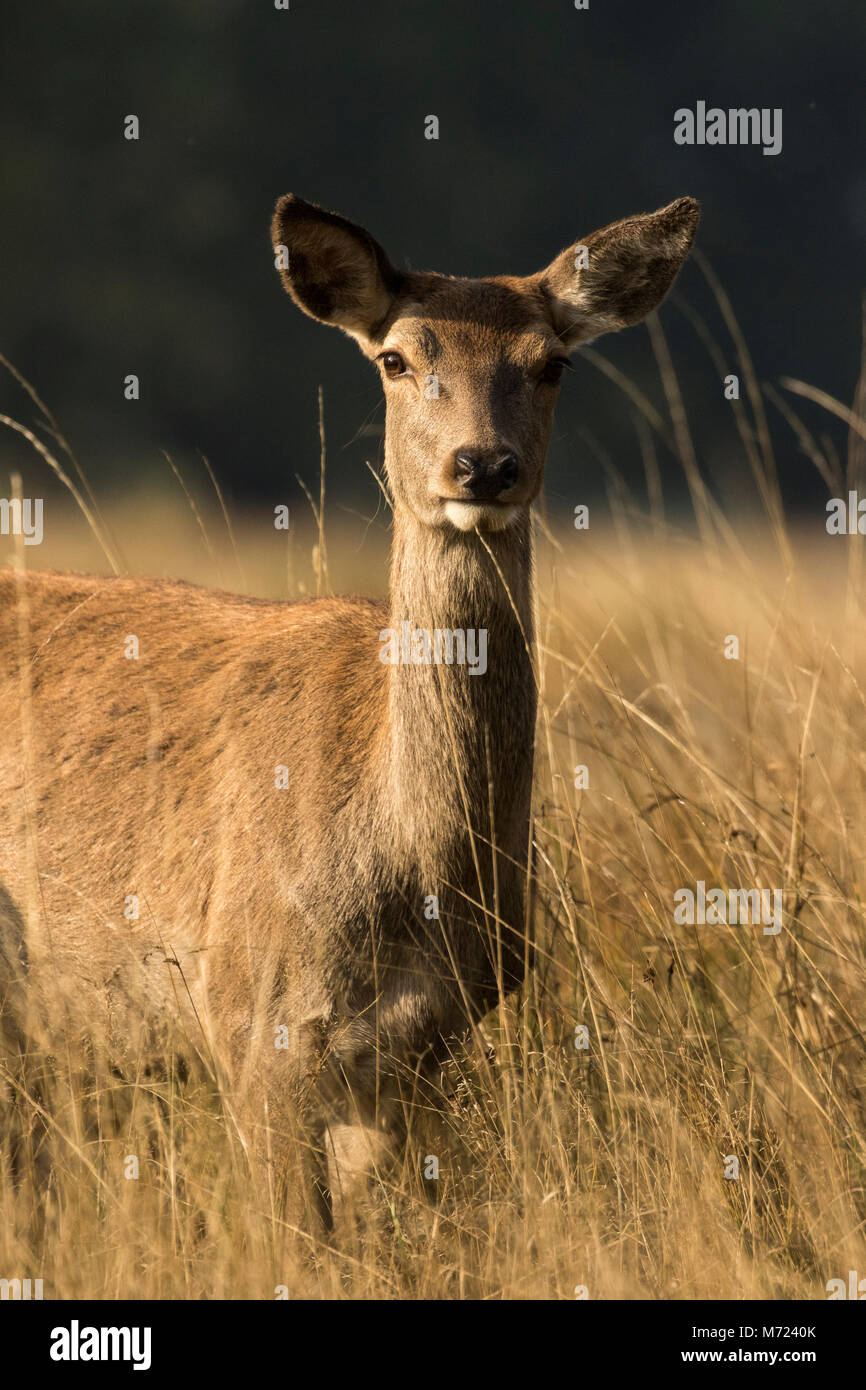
{"x": 460, "y": 734}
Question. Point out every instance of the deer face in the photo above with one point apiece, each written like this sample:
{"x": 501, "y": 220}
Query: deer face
{"x": 471, "y": 368}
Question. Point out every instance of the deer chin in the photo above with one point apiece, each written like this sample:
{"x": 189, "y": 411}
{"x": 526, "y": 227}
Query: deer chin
{"x": 481, "y": 516}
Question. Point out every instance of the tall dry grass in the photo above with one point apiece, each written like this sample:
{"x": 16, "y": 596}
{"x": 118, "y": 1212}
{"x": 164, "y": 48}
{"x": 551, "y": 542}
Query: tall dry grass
{"x": 561, "y": 1169}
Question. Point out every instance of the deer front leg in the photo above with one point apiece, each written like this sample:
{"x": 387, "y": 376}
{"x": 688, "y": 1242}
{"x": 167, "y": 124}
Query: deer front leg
{"x": 363, "y": 1117}
{"x": 282, "y": 1124}
{"x": 357, "y": 1153}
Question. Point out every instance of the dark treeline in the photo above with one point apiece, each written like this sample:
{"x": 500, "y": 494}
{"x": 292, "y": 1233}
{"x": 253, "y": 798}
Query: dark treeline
{"x": 152, "y": 256}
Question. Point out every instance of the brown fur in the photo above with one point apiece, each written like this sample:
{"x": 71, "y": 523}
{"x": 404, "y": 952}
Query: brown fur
{"x": 305, "y": 907}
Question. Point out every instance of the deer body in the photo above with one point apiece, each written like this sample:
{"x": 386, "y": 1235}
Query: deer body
{"x": 324, "y": 931}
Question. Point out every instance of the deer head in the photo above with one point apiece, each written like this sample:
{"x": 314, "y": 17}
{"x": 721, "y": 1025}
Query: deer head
{"x": 471, "y": 368}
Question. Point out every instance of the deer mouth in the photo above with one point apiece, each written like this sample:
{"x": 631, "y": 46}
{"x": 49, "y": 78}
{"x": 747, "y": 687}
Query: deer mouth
{"x": 468, "y": 515}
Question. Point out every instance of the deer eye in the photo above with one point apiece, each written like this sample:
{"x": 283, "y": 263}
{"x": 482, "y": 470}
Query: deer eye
{"x": 393, "y": 364}
{"x": 554, "y": 369}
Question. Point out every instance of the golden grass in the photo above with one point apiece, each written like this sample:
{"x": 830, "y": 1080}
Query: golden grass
{"x": 562, "y": 1169}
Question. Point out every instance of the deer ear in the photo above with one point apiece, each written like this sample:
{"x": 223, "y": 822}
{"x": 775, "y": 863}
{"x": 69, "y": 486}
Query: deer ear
{"x": 618, "y": 275}
{"x": 333, "y": 269}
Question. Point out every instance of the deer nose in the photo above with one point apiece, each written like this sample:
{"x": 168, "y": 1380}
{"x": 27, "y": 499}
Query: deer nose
{"x": 482, "y": 475}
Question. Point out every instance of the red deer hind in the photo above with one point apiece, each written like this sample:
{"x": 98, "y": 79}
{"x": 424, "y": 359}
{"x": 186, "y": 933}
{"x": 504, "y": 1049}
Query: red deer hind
{"x": 320, "y": 809}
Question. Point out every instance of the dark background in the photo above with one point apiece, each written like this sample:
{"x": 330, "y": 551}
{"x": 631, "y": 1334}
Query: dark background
{"x": 154, "y": 257}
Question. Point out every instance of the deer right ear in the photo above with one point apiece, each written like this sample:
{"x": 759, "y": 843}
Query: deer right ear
{"x": 618, "y": 275}
{"x": 332, "y": 268}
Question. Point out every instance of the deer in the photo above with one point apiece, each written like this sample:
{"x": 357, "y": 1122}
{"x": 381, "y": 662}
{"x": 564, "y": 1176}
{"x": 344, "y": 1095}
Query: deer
{"x": 323, "y": 932}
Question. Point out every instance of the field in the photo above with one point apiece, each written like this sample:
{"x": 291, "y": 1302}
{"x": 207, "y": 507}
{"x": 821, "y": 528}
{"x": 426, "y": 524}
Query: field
{"x": 709, "y": 1139}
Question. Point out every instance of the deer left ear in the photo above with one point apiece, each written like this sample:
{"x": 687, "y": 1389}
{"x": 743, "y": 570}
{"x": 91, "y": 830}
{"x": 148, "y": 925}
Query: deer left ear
{"x": 619, "y": 274}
